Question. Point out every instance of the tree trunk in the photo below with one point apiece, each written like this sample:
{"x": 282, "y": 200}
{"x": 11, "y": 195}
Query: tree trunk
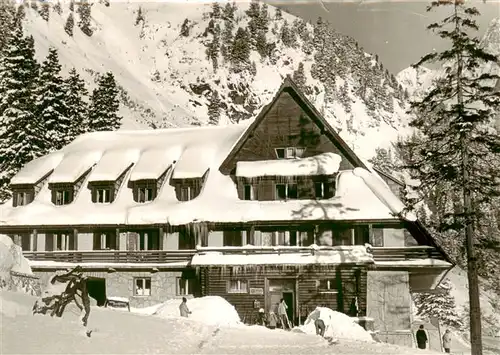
{"x": 474, "y": 303}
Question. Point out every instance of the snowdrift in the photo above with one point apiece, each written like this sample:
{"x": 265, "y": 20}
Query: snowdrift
{"x": 338, "y": 325}
{"x": 11, "y": 257}
{"x": 210, "y": 310}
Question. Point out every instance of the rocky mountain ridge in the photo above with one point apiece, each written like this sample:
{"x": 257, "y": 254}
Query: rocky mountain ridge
{"x": 169, "y": 77}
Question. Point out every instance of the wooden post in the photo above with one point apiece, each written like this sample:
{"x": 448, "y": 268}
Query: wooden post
{"x": 160, "y": 238}
{"x": 75, "y": 239}
{"x": 251, "y": 235}
{"x": 33, "y": 240}
{"x": 117, "y": 236}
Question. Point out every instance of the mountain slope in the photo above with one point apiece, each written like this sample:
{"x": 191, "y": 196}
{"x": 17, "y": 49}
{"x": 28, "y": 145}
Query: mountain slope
{"x": 167, "y": 79}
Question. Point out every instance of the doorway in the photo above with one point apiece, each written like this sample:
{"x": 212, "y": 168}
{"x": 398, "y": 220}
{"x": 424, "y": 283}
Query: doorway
{"x": 278, "y": 289}
{"x": 97, "y": 290}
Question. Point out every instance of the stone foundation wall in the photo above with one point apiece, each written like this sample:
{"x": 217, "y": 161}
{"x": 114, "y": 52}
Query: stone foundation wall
{"x": 389, "y": 304}
{"x": 122, "y": 284}
{"x": 17, "y": 282}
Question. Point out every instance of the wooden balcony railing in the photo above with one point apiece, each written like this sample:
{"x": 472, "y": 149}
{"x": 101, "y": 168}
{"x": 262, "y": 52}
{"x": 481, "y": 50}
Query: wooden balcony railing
{"x": 113, "y": 256}
{"x": 171, "y": 256}
{"x": 406, "y": 253}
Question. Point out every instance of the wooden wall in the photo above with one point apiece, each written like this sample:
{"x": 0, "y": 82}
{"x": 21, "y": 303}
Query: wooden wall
{"x": 285, "y": 125}
{"x": 350, "y": 280}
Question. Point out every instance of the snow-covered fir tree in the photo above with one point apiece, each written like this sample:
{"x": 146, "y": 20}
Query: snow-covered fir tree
{"x": 240, "y": 51}
{"x": 58, "y": 8}
{"x": 84, "y": 22}
{"x": 214, "y": 108}
{"x": 384, "y": 160}
{"x": 44, "y": 11}
{"x": 299, "y": 77}
{"x": 7, "y": 13}
{"x": 71, "y": 6}
{"x": 50, "y": 102}
{"x": 229, "y": 11}
{"x": 21, "y": 135}
{"x": 75, "y": 101}
{"x": 104, "y": 105}
{"x": 69, "y": 25}
{"x": 439, "y": 305}
{"x": 140, "y": 16}
{"x": 213, "y": 47}
{"x": 216, "y": 10}
{"x": 185, "y": 28}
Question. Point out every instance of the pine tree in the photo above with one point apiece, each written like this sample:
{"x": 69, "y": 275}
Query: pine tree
{"x": 288, "y": 36}
{"x": 140, "y": 16}
{"x": 7, "y": 15}
{"x": 277, "y": 14}
{"x": 263, "y": 24}
{"x": 439, "y": 305}
{"x": 45, "y": 11}
{"x": 214, "y": 108}
{"x": 299, "y": 77}
{"x": 76, "y": 106}
{"x": 58, "y": 8}
{"x": 72, "y": 5}
{"x": 216, "y": 10}
{"x": 227, "y": 39}
{"x": 185, "y": 28}
{"x": 261, "y": 44}
{"x": 21, "y": 135}
{"x": 84, "y": 10}
{"x": 457, "y": 149}
{"x": 69, "y": 25}
{"x": 253, "y": 13}
{"x": 228, "y": 12}
{"x": 240, "y": 51}
{"x": 104, "y": 105}
{"x": 50, "y": 102}
{"x": 384, "y": 160}
{"x": 213, "y": 48}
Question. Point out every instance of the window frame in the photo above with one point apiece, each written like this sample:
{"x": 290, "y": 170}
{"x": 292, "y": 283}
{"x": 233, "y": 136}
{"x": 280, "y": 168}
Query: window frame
{"x": 188, "y": 286}
{"x": 287, "y": 189}
{"x": 65, "y": 197}
{"x": 145, "y": 189}
{"x": 289, "y": 152}
{"x": 251, "y": 190}
{"x": 144, "y": 284}
{"x": 239, "y": 289}
{"x": 330, "y": 286}
{"x": 186, "y": 196}
{"x": 107, "y": 193}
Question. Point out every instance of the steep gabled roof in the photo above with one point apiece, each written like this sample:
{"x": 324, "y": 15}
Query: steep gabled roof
{"x": 291, "y": 88}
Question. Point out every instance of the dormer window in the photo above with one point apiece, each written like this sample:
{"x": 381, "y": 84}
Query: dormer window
{"x": 187, "y": 193}
{"x": 145, "y": 194}
{"x": 289, "y": 152}
{"x": 22, "y": 198}
{"x": 103, "y": 195}
{"x": 63, "y": 197}
{"x": 324, "y": 189}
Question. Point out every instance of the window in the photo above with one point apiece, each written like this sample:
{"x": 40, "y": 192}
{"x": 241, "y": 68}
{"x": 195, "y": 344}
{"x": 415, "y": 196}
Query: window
{"x": 145, "y": 194}
{"x": 323, "y": 190}
{"x": 286, "y": 191}
{"x": 248, "y": 193}
{"x": 149, "y": 240}
{"x": 105, "y": 240}
{"x": 142, "y": 286}
{"x": 326, "y": 285}
{"x": 185, "y": 286}
{"x": 103, "y": 195}
{"x": 62, "y": 241}
{"x": 289, "y": 152}
{"x": 63, "y": 197}
{"x": 22, "y": 198}
{"x": 343, "y": 236}
{"x": 237, "y": 286}
{"x": 187, "y": 193}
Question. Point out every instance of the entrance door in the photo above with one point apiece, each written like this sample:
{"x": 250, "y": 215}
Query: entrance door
{"x": 278, "y": 289}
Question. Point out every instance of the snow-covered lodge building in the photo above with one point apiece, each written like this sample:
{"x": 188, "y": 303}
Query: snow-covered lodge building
{"x": 280, "y": 208}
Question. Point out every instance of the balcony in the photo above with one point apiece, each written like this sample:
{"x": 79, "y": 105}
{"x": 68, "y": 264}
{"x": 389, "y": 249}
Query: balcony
{"x": 113, "y": 256}
{"x": 405, "y": 253}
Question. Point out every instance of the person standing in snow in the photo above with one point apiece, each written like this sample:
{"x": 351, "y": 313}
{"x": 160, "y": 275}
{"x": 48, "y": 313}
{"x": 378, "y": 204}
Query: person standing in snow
{"x": 447, "y": 341}
{"x": 421, "y": 338}
{"x": 183, "y": 308}
{"x": 320, "y": 324}
{"x": 272, "y": 320}
{"x": 282, "y": 308}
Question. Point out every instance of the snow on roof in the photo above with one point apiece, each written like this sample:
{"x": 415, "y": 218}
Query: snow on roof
{"x": 194, "y": 162}
{"x": 154, "y": 162}
{"x": 197, "y": 150}
{"x": 415, "y": 263}
{"x": 333, "y": 255}
{"x": 74, "y": 165}
{"x": 48, "y": 264}
{"x": 112, "y": 164}
{"x": 321, "y": 164}
{"x": 36, "y": 169}
{"x": 383, "y": 192}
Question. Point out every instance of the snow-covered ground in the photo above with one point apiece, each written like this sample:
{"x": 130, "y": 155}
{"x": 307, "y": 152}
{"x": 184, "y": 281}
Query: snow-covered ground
{"x": 118, "y": 332}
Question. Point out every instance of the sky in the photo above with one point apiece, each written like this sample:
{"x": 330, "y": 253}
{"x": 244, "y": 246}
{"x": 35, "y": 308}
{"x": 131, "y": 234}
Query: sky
{"x": 395, "y": 30}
